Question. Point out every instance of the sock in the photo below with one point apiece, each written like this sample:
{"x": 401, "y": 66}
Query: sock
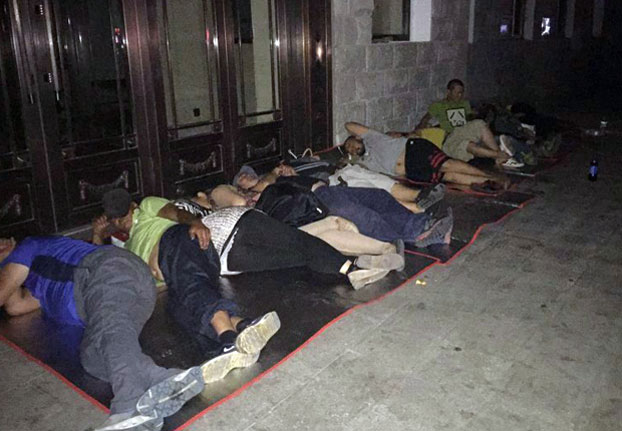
{"x": 347, "y": 267}
{"x": 227, "y": 337}
{"x": 242, "y": 325}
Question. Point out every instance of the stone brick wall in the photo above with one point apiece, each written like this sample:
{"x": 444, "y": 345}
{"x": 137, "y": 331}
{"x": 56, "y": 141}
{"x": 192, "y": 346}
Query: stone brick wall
{"x": 388, "y": 86}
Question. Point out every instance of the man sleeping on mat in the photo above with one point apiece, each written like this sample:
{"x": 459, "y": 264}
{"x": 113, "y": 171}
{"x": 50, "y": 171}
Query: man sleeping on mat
{"x": 412, "y": 157}
{"x": 374, "y": 211}
{"x": 338, "y": 232}
{"x": 182, "y": 251}
{"x": 111, "y": 294}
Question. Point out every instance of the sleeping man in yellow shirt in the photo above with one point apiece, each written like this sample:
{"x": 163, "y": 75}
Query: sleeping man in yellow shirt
{"x": 177, "y": 247}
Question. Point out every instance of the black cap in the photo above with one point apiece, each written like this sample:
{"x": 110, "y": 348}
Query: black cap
{"x": 116, "y": 203}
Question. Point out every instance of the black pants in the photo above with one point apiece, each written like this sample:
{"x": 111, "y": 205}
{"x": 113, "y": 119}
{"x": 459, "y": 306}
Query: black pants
{"x": 424, "y": 161}
{"x": 192, "y": 277}
{"x": 263, "y": 243}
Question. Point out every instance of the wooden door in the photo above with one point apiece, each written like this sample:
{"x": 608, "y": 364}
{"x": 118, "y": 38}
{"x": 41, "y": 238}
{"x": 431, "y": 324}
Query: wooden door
{"x": 79, "y": 71}
{"x": 17, "y": 182}
{"x": 159, "y": 97}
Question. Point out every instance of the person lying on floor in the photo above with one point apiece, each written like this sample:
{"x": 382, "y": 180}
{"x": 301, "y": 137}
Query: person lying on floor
{"x": 177, "y": 248}
{"x": 338, "y": 232}
{"x": 249, "y": 240}
{"x": 416, "y": 200}
{"x": 416, "y": 159}
{"x": 466, "y": 138}
{"x": 111, "y": 294}
{"x": 374, "y": 211}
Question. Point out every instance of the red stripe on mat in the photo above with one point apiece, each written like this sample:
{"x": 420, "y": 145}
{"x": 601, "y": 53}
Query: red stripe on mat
{"x": 58, "y": 375}
{"x": 271, "y": 369}
{"x": 475, "y": 235}
{"x": 341, "y": 316}
{"x": 302, "y": 346}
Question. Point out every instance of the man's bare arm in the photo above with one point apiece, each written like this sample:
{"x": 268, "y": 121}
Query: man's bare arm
{"x": 356, "y": 129}
{"x": 12, "y": 276}
{"x": 100, "y": 230}
{"x": 425, "y": 121}
{"x": 225, "y": 195}
{"x": 197, "y": 229}
{"x": 21, "y": 302}
{"x": 13, "y": 297}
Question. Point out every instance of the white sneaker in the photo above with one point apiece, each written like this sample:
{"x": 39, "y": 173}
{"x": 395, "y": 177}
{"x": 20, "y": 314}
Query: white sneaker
{"x": 255, "y": 336}
{"x": 512, "y": 163}
{"x": 362, "y": 277}
{"x": 504, "y": 145}
{"x": 388, "y": 261}
{"x": 230, "y": 358}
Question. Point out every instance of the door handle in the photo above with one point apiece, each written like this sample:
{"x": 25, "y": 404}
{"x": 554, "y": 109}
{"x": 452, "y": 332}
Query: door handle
{"x": 51, "y": 77}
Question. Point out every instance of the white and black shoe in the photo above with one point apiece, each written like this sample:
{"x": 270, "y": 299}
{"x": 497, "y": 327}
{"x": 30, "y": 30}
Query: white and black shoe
{"x": 512, "y": 163}
{"x": 254, "y": 337}
{"x": 229, "y": 359}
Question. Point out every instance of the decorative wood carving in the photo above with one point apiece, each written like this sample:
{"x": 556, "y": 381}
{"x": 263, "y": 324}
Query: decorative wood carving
{"x": 14, "y": 203}
{"x": 252, "y": 152}
{"x": 99, "y": 190}
{"x": 198, "y": 168}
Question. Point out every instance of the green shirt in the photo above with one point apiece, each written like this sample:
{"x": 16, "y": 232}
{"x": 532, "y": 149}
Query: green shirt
{"x": 147, "y": 227}
{"x": 450, "y": 114}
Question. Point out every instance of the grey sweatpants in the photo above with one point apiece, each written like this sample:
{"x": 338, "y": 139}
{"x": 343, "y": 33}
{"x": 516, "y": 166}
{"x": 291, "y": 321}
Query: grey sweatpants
{"x": 115, "y": 296}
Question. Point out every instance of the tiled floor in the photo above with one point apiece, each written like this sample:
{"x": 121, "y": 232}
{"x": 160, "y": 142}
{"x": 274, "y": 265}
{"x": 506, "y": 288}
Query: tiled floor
{"x": 522, "y": 332}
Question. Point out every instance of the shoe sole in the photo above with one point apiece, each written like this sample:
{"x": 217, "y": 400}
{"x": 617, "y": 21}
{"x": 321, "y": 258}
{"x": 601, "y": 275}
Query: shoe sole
{"x": 363, "y": 277}
{"x": 439, "y": 233}
{"x": 255, "y": 336}
{"x": 168, "y": 396}
{"x": 217, "y": 368}
{"x": 138, "y": 423}
{"x": 388, "y": 261}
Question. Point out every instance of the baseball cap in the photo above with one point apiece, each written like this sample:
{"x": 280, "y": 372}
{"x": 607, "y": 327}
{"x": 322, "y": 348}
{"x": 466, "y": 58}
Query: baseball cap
{"x": 116, "y": 203}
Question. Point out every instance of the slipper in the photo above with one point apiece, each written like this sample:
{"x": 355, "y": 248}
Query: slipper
{"x": 430, "y": 195}
{"x": 438, "y": 233}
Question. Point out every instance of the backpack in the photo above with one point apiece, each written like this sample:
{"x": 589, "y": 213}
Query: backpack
{"x": 292, "y": 204}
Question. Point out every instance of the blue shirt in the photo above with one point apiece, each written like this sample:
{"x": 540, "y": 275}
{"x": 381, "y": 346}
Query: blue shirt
{"x": 52, "y": 261}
